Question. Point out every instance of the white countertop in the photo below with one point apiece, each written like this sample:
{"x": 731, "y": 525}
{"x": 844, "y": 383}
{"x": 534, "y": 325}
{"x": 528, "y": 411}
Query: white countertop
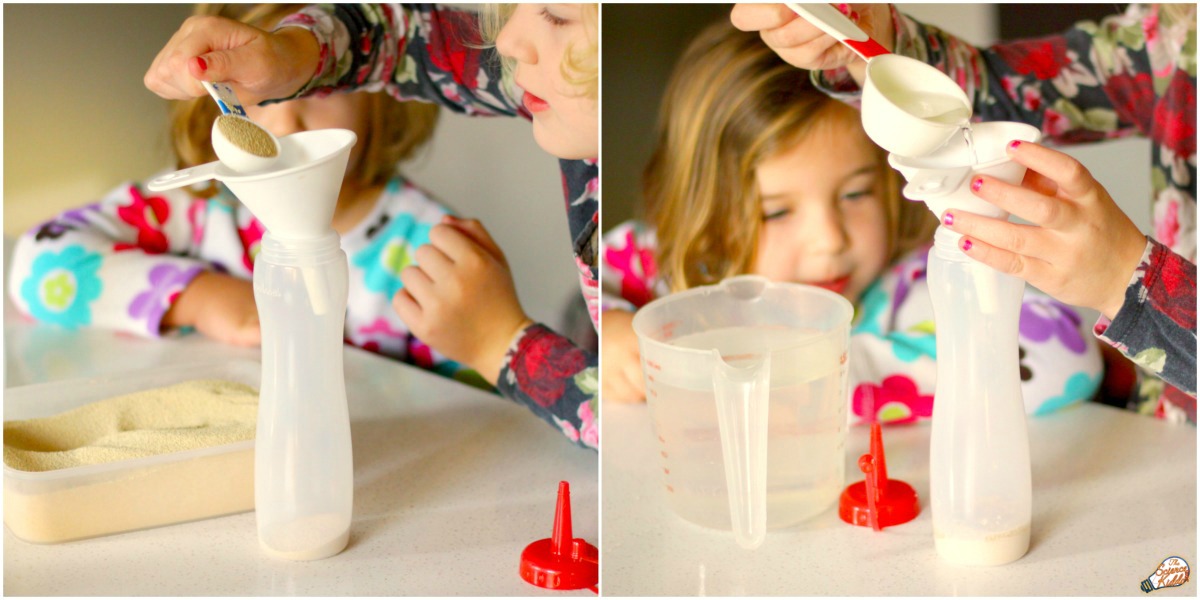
{"x": 451, "y": 484}
{"x": 1114, "y": 493}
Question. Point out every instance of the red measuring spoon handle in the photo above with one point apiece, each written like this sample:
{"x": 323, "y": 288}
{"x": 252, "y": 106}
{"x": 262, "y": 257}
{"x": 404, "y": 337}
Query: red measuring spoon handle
{"x": 868, "y": 48}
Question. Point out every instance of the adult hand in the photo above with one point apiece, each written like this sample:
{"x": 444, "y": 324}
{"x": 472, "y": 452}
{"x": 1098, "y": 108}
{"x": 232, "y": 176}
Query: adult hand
{"x": 802, "y": 44}
{"x": 1080, "y": 249}
{"x": 622, "y": 381}
{"x": 219, "y": 306}
{"x": 459, "y": 298}
{"x": 257, "y": 64}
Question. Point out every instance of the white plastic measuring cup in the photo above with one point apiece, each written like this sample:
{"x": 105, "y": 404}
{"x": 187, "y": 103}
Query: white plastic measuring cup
{"x": 234, "y": 155}
{"x": 746, "y": 382}
{"x": 908, "y": 107}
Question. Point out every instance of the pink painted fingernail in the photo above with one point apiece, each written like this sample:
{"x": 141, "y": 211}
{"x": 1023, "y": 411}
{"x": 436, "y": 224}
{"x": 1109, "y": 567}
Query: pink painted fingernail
{"x": 200, "y": 62}
{"x": 966, "y": 244}
{"x": 975, "y": 185}
{"x": 948, "y": 219}
{"x": 1013, "y": 145}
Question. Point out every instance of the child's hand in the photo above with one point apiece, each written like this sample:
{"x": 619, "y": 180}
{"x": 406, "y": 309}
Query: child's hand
{"x": 802, "y": 44}
{"x": 259, "y": 65}
{"x": 460, "y": 299}
{"x": 219, "y": 306}
{"x": 1081, "y": 249}
{"x": 622, "y": 381}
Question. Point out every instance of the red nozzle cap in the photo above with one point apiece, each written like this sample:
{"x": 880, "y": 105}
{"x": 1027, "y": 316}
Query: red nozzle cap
{"x": 561, "y": 562}
{"x": 877, "y": 502}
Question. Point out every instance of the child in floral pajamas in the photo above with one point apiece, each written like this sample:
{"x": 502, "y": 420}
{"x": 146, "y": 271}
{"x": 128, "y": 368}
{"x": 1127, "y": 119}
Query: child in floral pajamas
{"x": 434, "y": 54}
{"x": 814, "y": 203}
{"x": 131, "y": 260}
{"x": 1129, "y": 74}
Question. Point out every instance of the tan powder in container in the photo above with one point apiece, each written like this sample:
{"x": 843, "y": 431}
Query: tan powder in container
{"x": 244, "y": 134}
{"x": 186, "y": 416}
{"x": 192, "y": 414}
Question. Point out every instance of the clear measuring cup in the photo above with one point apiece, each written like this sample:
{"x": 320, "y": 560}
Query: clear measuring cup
{"x": 746, "y": 382}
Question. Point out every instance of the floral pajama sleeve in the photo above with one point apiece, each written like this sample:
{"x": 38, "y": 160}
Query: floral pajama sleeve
{"x": 116, "y": 264}
{"x": 893, "y": 355}
{"x": 432, "y": 54}
{"x": 1129, "y": 74}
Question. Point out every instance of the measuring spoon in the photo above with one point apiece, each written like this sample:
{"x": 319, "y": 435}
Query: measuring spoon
{"x": 908, "y": 107}
{"x": 241, "y": 144}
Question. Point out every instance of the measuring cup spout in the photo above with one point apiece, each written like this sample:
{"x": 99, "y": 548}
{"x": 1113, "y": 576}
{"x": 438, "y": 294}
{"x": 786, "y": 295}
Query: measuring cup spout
{"x": 742, "y": 399}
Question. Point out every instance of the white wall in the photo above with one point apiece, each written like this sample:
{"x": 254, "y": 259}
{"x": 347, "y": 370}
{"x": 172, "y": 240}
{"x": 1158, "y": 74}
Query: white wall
{"x": 78, "y": 121}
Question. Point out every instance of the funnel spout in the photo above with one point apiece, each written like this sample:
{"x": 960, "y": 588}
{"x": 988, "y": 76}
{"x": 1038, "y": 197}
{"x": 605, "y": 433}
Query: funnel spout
{"x": 742, "y": 400}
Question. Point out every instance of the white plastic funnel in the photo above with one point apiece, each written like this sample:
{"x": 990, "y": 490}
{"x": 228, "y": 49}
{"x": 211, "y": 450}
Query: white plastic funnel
{"x": 295, "y": 198}
{"x": 942, "y": 179}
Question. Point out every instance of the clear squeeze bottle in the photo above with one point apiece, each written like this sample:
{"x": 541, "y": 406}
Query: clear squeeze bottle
{"x": 979, "y": 471}
{"x": 303, "y": 468}
{"x": 304, "y": 483}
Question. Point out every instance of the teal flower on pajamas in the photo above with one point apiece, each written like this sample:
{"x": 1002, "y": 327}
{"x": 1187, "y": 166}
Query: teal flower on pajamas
{"x": 391, "y": 250}
{"x": 907, "y": 347}
{"x": 1079, "y": 387}
{"x": 61, "y": 286}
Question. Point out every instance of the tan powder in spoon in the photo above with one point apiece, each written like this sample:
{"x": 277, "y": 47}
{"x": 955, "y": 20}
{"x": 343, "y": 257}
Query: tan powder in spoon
{"x": 246, "y": 135}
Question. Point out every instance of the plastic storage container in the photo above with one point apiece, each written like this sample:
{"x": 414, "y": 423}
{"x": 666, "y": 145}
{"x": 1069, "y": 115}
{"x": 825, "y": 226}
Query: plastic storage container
{"x": 82, "y": 502}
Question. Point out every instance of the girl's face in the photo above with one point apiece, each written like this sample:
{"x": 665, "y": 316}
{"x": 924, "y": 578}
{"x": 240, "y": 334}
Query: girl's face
{"x": 335, "y": 111}
{"x": 565, "y": 122}
{"x": 824, "y": 221}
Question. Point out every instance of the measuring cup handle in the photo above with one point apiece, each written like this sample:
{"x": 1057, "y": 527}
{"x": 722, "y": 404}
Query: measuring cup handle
{"x": 742, "y": 397}
{"x": 182, "y": 177}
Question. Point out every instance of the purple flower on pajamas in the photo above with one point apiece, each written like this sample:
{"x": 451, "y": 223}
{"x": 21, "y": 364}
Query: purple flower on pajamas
{"x": 59, "y": 226}
{"x": 166, "y": 282}
{"x": 1043, "y": 318}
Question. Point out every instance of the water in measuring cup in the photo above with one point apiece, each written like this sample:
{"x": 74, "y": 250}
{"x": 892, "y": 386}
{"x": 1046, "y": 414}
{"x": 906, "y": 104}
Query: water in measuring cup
{"x": 806, "y": 429}
{"x": 939, "y": 108}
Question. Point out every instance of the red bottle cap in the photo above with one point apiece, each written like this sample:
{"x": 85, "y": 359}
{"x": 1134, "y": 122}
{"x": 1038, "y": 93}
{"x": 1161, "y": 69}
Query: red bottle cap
{"x": 561, "y": 562}
{"x": 877, "y": 501}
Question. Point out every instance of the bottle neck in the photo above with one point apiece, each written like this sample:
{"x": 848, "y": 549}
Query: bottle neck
{"x": 292, "y": 251}
{"x": 945, "y": 245}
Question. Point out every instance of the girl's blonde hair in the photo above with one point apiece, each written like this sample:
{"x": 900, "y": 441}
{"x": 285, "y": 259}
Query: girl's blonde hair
{"x": 580, "y": 65}
{"x": 395, "y": 129}
{"x": 731, "y": 104}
